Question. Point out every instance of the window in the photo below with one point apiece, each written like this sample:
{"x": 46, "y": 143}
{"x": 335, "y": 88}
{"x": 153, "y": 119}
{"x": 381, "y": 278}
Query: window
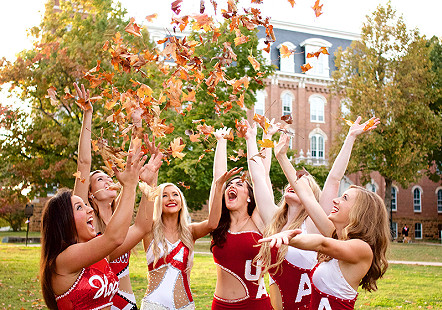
{"x": 287, "y": 64}
{"x": 317, "y": 146}
{"x": 316, "y": 109}
{"x": 394, "y": 230}
{"x": 393, "y": 198}
{"x": 417, "y": 200}
{"x": 439, "y": 201}
{"x": 260, "y": 102}
{"x": 320, "y": 65}
{"x": 418, "y": 230}
{"x": 287, "y": 104}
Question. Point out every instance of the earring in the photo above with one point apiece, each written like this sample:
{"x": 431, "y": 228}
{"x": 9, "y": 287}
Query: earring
{"x": 92, "y": 196}
{"x": 248, "y": 199}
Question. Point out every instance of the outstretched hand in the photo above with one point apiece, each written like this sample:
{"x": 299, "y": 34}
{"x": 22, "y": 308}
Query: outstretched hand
{"x": 221, "y": 133}
{"x": 251, "y": 130}
{"x": 281, "y": 238}
{"x": 356, "y": 129}
{"x": 149, "y": 170}
{"x": 281, "y": 148}
{"x": 131, "y": 173}
{"x": 273, "y": 128}
{"x": 84, "y": 97}
{"x": 227, "y": 175}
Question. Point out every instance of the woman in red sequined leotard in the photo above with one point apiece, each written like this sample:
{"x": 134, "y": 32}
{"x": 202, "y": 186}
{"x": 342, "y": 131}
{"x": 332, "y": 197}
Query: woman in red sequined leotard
{"x": 75, "y": 273}
{"x": 239, "y": 284}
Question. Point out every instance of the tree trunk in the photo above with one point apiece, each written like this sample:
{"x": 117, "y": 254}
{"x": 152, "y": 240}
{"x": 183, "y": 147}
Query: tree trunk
{"x": 387, "y": 201}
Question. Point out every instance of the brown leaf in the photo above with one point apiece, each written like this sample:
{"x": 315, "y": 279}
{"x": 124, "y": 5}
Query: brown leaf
{"x": 133, "y": 28}
{"x": 287, "y": 118}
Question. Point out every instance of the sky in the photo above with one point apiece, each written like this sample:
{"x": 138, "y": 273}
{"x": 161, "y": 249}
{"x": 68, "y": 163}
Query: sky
{"x": 345, "y": 15}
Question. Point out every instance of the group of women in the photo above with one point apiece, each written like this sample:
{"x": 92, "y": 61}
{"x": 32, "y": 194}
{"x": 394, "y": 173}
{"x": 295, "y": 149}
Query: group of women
{"x": 317, "y": 249}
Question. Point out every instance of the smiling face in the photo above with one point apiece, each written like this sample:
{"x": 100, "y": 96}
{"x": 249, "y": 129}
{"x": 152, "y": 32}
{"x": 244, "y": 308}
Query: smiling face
{"x": 236, "y": 194}
{"x": 171, "y": 200}
{"x": 290, "y": 196}
{"x": 341, "y": 208}
{"x": 84, "y": 219}
{"x": 99, "y": 186}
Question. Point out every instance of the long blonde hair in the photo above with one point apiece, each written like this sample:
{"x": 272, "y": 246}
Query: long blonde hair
{"x": 368, "y": 221}
{"x": 279, "y": 221}
{"x": 157, "y": 232}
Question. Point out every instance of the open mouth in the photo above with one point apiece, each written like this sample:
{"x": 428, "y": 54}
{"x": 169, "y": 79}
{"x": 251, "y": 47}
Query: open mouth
{"x": 290, "y": 190}
{"x": 90, "y": 223}
{"x": 232, "y": 194}
{"x": 334, "y": 209}
{"x": 171, "y": 205}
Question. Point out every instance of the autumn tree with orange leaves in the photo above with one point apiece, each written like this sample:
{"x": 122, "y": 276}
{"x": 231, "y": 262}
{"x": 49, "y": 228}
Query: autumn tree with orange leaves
{"x": 387, "y": 74}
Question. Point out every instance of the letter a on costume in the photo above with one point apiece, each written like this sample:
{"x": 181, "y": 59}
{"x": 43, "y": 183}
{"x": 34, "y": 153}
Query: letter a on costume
{"x": 324, "y": 304}
{"x": 305, "y": 287}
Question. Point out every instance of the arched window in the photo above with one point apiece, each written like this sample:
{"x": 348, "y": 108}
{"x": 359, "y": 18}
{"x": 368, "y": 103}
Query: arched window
{"x": 265, "y": 55}
{"x": 393, "y": 198}
{"x": 317, "y": 146}
{"x": 260, "y": 102}
{"x": 316, "y": 108}
{"x": 439, "y": 200}
{"x": 417, "y": 207}
{"x": 287, "y": 64}
{"x": 287, "y": 100}
{"x": 320, "y": 64}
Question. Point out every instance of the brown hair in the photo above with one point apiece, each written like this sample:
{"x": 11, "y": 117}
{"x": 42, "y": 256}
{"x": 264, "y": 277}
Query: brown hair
{"x": 58, "y": 231}
{"x": 368, "y": 221}
{"x": 279, "y": 221}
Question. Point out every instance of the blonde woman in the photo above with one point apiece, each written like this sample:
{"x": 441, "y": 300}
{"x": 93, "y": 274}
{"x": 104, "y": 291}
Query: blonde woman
{"x": 289, "y": 268}
{"x": 353, "y": 252}
{"x": 169, "y": 248}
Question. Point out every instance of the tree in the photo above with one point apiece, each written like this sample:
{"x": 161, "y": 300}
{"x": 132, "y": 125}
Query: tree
{"x": 40, "y": 149}
{"x": 388, "y": 74}
{"x": 12, "y": 207}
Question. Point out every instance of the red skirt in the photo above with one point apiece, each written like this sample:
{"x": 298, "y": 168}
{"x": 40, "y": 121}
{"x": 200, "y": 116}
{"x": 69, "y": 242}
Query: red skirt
{"x": 247, "y": 304}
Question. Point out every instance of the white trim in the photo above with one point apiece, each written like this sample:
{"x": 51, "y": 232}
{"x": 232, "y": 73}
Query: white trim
{"x": 316, "y": 42}
{"x": 422, "y": 231}
{"x": 439, "y": 188}
{"x": 326, "y": 32}
{"x": 421, "y": 193}
{"x": 324, "y": 102}
{"x": 397, "y": 191}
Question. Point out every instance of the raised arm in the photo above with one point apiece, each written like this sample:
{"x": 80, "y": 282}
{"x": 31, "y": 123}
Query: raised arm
{"x": 84, "y": 159}
{"x": 303, "y": 190}
{"x": 144, "y": 219}
{"x": 331, "y": 186}
{"x": 267, "y": 160}
{"x": 352, "y": 251}
{"x": 84, "y": 254}
{"x": 203, "y": 228}
{"x": 263, "y": 194}
{"x": 220, "y": 159}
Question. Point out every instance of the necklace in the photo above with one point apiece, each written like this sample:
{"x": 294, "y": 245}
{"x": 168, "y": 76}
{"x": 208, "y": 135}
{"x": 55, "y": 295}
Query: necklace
{"x": 242, "y": 224}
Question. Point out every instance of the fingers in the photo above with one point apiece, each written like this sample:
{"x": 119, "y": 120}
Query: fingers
{"x": 358, "y": 120}
{"x": 77, "y": 89}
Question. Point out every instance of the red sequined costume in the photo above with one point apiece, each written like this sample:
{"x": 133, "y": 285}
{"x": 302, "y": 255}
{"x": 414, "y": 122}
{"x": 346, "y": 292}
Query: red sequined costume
{"x": 292, "y": 276}
{"x": 169, "y": 287}
{"x": 94, "y": 289}
{"x": 235, "y": 257}
{"x": 330, "y": 290}
{"x": 122, "y": 300}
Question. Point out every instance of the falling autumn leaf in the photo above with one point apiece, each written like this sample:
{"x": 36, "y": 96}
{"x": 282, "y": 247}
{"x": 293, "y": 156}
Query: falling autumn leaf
{"x": 181, "y": 183}
{"x": 349, "y": 123}
{"x": 133, "y": 28}
{"x": 285, "y": 51}
{"x": 78, "y": 176}
{"x": 266, "y": 143}
{"x": 151, "y": 17}
{"x": 306, "y": 67}
{"x": 262, "y": 121}
{"x": 317, "y": 8}
{"x": 176, "y": 147}
{"x": 369, "y": 124}
{"x": 52, "y": 95}
{"x": 176, "y": 6}
{"x": 292, "y": 2}
{"x": 254, "y": 62}
{"x": 287, "y": 118}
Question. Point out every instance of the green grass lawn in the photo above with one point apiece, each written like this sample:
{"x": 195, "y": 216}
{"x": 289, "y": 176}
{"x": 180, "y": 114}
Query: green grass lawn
{"x": 403, "y": 287}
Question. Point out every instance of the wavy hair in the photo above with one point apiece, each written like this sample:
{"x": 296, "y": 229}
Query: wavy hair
{"x": 157, "y": 232}
{"x": 368, "y": 221}
{"x": 219, "y": 233}
{"x": 58, "y": 231}
{"x": 279, "y": 221}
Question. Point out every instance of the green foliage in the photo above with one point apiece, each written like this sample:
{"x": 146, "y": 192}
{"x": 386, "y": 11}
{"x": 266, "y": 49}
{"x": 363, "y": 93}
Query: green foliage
{"x": 387, "y": 74}
{"x": 192, "y": 170}
{"x": 40, "y": 149}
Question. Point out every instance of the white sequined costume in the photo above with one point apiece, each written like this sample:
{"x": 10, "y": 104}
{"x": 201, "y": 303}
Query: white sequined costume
{"x": 169, "y": 287}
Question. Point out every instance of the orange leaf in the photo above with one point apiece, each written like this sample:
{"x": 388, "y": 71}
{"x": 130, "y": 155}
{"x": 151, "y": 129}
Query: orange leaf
{"x": 369, "y": 124}
{"x": 266, "y": 143}
{"x": 78, "y": 176}
{"x": 287, "y": 118}
{"x": 306, "y": 67}
{"x": 241, "y": 40}
{"x": 285, "y": 52}
{"x": 262, "y": 121}
{"x": 133, "y": 28}
{"x": 176, "y": 6}
{"x": 144, "y": 90}
{"x": 254, "y": 62}
{"x": 151, "y": 17}
{"x": 292, "y": 2}
{"x": 349, "y": 123}
{"x": 317, "y": 8}
{"x": 176, "y": 147}
{"x": 183, "y": 185}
